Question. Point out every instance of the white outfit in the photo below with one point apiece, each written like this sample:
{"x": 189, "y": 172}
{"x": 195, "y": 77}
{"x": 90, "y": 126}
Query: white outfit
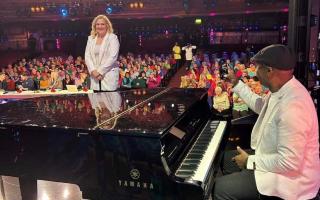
{"x": 188, "y": 50}
{"x": 105, "y": 62}
{"x": 110, "y": 100}
{"x": 286, "y": 141}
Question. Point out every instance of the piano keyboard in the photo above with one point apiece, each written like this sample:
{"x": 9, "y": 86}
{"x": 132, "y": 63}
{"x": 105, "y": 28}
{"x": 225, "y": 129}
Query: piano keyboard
{"x": 199, "y": 159}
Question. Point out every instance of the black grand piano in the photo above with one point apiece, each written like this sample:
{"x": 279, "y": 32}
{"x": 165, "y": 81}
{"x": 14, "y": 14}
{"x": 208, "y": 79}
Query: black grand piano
{"x": 136, "y": 144}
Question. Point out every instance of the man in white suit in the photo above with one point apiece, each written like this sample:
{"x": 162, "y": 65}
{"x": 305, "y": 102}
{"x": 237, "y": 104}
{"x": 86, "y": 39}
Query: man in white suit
{"x": 285, "y": 138}
{"x": 101, "y": 55}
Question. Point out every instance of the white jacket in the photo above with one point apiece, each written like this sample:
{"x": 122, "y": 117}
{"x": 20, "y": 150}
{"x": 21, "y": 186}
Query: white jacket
{"x": 107, "y": 62}
{"x": 109, "y": 100}
{"x": 286, "y": 141}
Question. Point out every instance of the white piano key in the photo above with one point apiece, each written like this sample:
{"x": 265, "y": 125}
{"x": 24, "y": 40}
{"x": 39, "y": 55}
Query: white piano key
{"x": 210, "y": 154}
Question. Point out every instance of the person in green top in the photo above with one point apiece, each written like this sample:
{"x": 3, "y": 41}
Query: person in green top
{"x": 240, "y": 108}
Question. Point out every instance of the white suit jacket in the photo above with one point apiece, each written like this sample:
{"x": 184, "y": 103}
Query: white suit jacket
{"x": 106, "y": 64}
{"x": 286, "y": 141}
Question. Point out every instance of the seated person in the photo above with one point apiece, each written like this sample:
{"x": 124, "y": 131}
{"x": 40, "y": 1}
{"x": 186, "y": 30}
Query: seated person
{"x": 11, "y": 84}
{"x": 126, "y": 81}
{"x": 284, "y": 159}
{"x": 240, "y": 108}
{"x": 44, "y": 82}
{"x": 140, "y": 82}
{"x": 67, "y": 81}
{"x": 153, "y": 81}
{"x": 3, "y": 83}
{"x": 27, "y": 83}
{"x": 202, "y": 81}
{"x": 221, "y": 101}
{"x": 184, "y": 82}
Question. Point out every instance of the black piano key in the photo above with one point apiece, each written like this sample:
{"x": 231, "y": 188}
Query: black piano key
{"x": 205, "y": 138}
{"x": 196, "y": 153}
{"x": 184, "y": 174}
{"x": 191, "y": 161}
{"x": 206, "y": 133}
{"x": 187, "y": 167}
{"x": 200, "y": 147}
{"x": 199, "y": 152}
{"x": 202, "y": 142}
{"x": 194, "y": 156}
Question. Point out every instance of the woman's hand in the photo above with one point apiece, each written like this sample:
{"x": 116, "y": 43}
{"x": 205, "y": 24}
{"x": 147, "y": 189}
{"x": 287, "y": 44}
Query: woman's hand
{"x": 95, "y": 74}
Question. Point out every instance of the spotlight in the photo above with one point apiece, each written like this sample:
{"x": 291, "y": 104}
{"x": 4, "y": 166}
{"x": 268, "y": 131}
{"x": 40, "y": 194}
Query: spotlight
{"x": 198, "y": 21}
{"x": 109, "y": 10}
{"x": 64, "y": 12}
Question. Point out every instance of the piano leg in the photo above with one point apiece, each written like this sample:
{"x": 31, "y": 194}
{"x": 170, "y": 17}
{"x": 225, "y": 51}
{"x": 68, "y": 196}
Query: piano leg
{"x": 28, "y": 188}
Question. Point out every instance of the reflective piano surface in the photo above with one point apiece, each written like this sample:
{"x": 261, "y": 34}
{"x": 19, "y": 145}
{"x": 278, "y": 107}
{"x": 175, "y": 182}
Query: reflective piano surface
{"x": 136, "y": 144}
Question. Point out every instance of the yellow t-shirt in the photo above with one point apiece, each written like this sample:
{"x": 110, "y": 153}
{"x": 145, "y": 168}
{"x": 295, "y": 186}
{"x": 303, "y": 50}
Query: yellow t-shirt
{"x": 176, "y": 52}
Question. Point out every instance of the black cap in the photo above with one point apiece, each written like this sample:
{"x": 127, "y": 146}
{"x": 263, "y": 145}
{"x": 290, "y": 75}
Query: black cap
{"x": 277, "y": 56}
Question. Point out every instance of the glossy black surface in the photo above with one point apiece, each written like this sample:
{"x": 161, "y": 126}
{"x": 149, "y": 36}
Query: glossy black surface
{"x": 59, "y": 139}
{"x": 119, "y": 112}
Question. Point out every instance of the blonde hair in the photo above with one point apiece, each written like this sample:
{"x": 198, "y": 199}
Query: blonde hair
{"x": 218, "y": 89}
{"x": 93, "y": 25}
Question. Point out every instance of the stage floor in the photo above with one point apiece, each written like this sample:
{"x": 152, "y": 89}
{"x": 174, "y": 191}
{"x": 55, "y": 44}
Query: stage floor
{"x": 46, "y": 190}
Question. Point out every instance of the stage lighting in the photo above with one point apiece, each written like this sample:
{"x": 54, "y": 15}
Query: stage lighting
{"x": 109, "y": 10}
{"x": 198, "y": 21}
{"x": 64, "y": 12}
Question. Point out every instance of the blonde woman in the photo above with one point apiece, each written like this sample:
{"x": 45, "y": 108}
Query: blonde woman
{"x": 220, "y": 100}
{"x": 101, "y": 55}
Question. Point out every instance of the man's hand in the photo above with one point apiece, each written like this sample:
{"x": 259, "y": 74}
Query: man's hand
{"x": 233, "y": 78}
{"x": 241, "y": 159}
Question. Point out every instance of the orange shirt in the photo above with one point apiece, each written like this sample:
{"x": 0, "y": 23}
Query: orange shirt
{"x": 44, "y": 84}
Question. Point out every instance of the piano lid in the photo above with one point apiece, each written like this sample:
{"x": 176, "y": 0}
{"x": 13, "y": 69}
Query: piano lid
{"x": 140, "y": 111}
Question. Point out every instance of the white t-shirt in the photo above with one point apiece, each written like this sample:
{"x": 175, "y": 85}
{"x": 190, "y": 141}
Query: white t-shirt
{"x": 188, "y": 50}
